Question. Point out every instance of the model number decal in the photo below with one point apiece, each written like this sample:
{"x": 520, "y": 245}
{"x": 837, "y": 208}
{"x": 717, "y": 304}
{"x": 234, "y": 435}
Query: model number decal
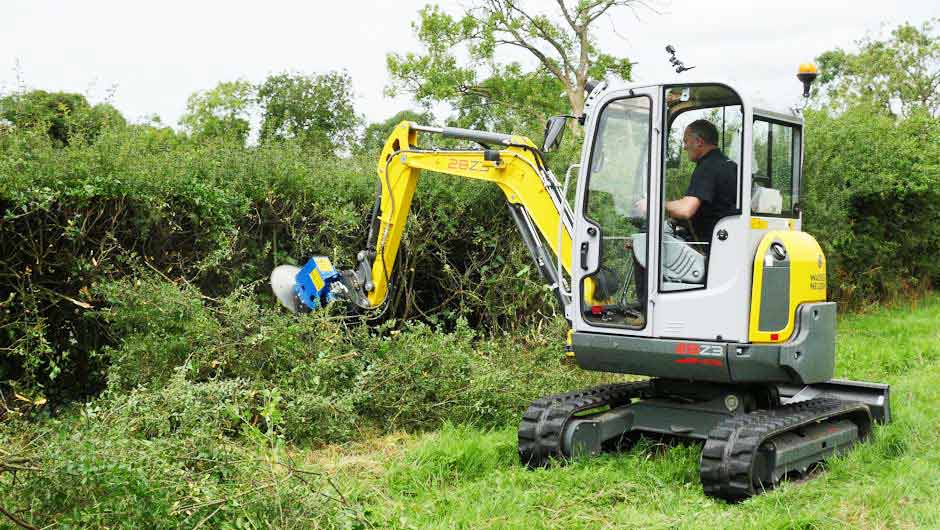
{"x": 691, "y": 348}
{"x": 711, "y": 349}
{"x": 468, "y": 165}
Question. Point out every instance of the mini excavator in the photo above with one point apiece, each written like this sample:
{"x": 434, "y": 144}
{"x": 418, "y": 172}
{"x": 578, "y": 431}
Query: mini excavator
{"x": 733, "y": 329}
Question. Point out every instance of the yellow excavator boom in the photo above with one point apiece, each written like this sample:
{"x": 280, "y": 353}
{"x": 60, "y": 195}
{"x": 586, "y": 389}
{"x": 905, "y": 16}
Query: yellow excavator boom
{"x": 515, "y": 168}
{"x": 536, "y": 203}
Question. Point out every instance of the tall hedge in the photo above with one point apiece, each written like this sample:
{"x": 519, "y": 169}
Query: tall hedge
{"x": 873, "y": 201}
{"x": 219, "y": 216}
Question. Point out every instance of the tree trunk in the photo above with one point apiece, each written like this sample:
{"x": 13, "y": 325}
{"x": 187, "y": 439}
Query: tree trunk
{"x": 576, "y": 98}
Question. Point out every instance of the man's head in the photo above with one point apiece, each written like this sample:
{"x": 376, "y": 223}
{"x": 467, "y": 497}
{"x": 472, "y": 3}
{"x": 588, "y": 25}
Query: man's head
{"x": 699, "y": 138}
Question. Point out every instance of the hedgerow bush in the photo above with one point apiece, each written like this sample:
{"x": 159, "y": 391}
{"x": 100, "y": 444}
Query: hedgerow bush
{"x": 193, "y": 454}
{"x": 336, "y": 377}
{"x": 220, "y": 216}
{"x": 873, "y": 201}
{"x": 208, "y": 401}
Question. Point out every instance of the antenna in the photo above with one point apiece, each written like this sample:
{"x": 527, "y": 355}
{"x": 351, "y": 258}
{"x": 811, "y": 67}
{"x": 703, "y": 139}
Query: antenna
{"x": 680, "y": 67}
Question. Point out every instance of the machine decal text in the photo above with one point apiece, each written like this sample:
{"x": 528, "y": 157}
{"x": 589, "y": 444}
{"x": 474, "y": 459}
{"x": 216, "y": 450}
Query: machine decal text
{"x": 469, "y": 165}
{"x": 694, "y": 360}
{"x": 690, "y": 348}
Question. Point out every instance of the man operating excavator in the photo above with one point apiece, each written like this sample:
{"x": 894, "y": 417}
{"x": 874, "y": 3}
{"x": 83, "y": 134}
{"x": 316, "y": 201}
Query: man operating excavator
{"x": 711, "y": 194}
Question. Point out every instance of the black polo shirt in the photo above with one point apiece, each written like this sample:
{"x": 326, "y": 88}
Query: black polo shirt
{"x": 715, "y": 183}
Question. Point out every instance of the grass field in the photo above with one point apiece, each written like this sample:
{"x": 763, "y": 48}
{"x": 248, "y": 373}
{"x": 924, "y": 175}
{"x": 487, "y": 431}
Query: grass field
{"x": 123, "y": 462}
{"x": 466, "y": 478}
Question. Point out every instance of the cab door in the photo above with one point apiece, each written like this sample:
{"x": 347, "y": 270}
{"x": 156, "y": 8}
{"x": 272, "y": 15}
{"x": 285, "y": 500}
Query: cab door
{"x": 612, "y": 246}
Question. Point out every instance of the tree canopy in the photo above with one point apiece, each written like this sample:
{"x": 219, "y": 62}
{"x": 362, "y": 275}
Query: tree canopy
{"x": 63, "y": 116}
{"x": 221, "y": 112}
{"x": 896, "y": 75}
{"x": 561, "y": 39}
{"x": 313, "y": 109}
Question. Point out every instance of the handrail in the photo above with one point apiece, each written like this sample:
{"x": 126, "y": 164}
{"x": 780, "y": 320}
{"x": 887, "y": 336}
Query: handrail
{"x": 565, "y": 293}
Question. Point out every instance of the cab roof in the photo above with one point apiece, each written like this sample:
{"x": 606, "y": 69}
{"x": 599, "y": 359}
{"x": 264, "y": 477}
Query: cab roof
{"x": 703, "y": 98}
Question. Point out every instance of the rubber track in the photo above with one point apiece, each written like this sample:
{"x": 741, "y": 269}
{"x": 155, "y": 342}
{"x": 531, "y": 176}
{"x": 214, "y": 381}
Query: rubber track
{"x": 544, "y": 422}
{"x": 728, "y": 458}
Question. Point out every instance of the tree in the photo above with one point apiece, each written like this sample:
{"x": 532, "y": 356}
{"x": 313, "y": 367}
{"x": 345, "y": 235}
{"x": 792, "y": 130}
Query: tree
{"x": 222, "y": 112}
{"x": 562, "y": 42}
{"x": 511, "y": 100}
{"x": 61, "y": 115}
{"x": 316, "y": 110}
{"x": 895, "y": 75}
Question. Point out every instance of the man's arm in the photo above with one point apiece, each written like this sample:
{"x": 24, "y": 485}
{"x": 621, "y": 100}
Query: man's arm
{"x": 683, "y": 208}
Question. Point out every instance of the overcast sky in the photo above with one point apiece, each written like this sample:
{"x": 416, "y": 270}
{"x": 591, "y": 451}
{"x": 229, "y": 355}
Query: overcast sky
{"x": 148, "y": 57}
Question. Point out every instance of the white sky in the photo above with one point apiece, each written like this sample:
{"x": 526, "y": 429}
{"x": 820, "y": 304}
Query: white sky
{"x": 150, "y": 56}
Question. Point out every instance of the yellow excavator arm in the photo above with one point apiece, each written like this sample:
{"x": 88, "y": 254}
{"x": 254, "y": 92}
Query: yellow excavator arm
{"x": 535, "y": 198}
{"x": 515, "y": 167}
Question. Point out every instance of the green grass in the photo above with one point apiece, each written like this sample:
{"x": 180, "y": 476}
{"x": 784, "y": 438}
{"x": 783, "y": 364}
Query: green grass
{"x": 465, "y": 478}
{"x": 124, "y": 462}
{"x": 460, "y": 477}
{"x": 884, "y": 344}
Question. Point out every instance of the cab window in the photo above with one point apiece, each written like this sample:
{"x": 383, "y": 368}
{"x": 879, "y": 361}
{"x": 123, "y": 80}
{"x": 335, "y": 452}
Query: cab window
{"x": 775, "y": 178}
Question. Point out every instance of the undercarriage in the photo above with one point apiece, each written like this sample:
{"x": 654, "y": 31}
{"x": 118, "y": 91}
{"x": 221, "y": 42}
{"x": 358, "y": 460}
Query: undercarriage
{"x": 754, "y": 436}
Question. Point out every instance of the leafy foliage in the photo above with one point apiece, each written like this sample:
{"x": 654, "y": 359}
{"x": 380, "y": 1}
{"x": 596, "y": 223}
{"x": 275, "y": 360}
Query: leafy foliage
{"x": 899, "y": 74}
{"x": 873, "y": 185}
{"x": 204, "y": 454}
{"x": 61, "y": 115}
{"x": 561, "y": 42}
{"x": 222, "y": 112}
{"x": 335, "y": 377}
{"x": 316, "y": 110}
{"x": 511, "y": 100}
{"x": 872, "y": 165}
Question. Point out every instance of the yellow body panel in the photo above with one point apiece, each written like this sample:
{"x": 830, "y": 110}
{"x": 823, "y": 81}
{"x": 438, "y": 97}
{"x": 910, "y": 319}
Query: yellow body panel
{"x": 316, "y": 279}
{"x": 807, "y": 280}
{"x": 515, "y": 173}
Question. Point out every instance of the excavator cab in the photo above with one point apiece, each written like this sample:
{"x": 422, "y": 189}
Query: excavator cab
{"x": 675, "y": 283}
{"x": 736, "y": 284}
{"x": 634, "y": 163}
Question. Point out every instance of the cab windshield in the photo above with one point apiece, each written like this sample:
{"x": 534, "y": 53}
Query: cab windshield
{"x": 617, "y": 190}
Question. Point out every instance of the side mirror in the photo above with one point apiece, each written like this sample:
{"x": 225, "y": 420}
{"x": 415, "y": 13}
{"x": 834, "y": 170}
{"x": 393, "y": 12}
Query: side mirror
{"x": 553, "y": 133}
